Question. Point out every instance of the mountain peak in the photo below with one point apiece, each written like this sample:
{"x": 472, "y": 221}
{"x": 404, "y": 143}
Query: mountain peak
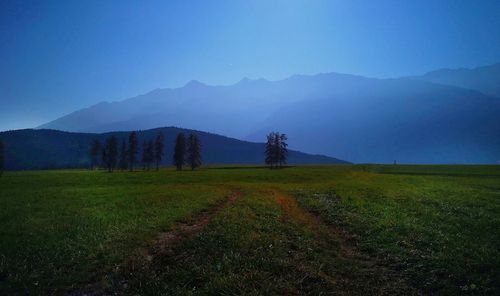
{"x": 194, "y": 83}
{"x": 244, "y": 80}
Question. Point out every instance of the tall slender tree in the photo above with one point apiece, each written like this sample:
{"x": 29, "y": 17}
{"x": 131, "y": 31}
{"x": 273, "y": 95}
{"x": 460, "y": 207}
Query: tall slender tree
{"x": 179, "y": 151}
{"x": 159, "y": 146}
{"x": 144, "y": 157}
{"x": 104, "y": 157}
{"x": 270, "y": 150}
{"x": 123, "y": 162}
{"x": 111, "y": 153}
{"x": 283, "y": 148}
{"x": 95, "y": 148}
{"x": 2, "y": 157}
{"x": 133, "y": 147}
{"x": 148, "y": 154}
{"x": 277, "y": 151}
{"x": 194, "y": 151}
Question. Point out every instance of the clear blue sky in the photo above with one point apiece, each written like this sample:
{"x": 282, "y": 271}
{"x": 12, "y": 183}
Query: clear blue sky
{"x": 58, "y": 56}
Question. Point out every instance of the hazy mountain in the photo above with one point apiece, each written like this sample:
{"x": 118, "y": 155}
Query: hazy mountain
{"x": 230, "y": 110}
{"x": 485, "y": 79}
{"x": 386, "y": 120}
{"x": 351, "y": 117}
{"x": 41, "y": 149}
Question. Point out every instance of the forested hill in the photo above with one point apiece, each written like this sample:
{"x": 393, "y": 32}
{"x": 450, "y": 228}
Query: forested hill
{"x": 44, "y": 149}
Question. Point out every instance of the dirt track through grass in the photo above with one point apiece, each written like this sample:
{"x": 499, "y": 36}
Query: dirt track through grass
{"x": 369, "y": 270}
{"x": 167, "y": 241}
{"x": 163, "y": 245}
{"x": 301, "y": 253}
{"x": 302, "y": 230}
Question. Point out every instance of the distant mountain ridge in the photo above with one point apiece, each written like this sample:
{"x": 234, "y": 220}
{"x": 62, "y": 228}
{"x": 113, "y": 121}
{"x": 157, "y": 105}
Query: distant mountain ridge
{"x": 44, "y": 149}
{"x": 410, "y": 120}
{"x": 485, "y": 79}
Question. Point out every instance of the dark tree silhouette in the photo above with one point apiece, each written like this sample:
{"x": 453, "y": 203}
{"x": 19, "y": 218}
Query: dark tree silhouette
{"x": 276, "y": 150}
{"x": 144, "y": 158}
{"x": 148, "y": 154}
{"x": 111, "y": 153}
{"x": 179, "y": 151}
{"x": 159, "y": 145}
{"x": 133, "y": 147}
{"x": 283, "y": 150}
{"x": 151, "y": 153}
{"x": 123, "y": 162}
{"x": 104, "y": 158}
{"x": 194, "y": 151}
{"x": 2, "y": 157}
{"x": 270, "y": 150}
{"x": 95, "y": 148}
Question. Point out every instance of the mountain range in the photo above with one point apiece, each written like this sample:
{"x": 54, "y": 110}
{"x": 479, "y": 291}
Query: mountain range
{"x": 485, "y": 79}
{"x": 44, "y": 149}
{"x": 444, "y": 116}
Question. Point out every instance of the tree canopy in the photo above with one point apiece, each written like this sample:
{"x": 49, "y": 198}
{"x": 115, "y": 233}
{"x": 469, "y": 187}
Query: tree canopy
{"x": 179, "y": 157}
{"x": 194, "y": 151}
{"x": 276, "y": 153}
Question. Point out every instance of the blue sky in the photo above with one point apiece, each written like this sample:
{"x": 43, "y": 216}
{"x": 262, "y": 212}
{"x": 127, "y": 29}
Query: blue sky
{"x": 58, "y": 56}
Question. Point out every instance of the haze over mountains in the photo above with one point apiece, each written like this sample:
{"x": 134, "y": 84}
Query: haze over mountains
{"x": 445, "y": 116}
{"x": 485, "y": 79}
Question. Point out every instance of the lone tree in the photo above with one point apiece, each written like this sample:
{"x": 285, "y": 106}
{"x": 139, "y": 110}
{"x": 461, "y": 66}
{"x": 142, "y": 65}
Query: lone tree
{"x": 194, "y": 151}
{"x": 111, "y": 153}
{"x": 159, "y": 145}
{"x": 133, "y": 146}
{"x": 179, "y": 151}
{"x": 276, "y": 150}
{"x": 2, "y": 157}
{"x": 123, "y": 162}
{"x": 95, "y": 148}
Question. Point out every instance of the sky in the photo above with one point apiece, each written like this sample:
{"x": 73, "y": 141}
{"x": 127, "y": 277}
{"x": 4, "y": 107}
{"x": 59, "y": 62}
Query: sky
{"x": 60, "y": 56}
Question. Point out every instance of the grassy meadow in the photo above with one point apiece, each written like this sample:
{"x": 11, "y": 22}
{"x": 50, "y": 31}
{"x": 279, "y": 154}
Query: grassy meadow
{"x": 361, "y": 229}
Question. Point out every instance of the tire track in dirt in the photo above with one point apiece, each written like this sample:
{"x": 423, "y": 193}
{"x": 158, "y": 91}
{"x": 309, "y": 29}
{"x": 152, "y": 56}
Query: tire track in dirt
{"x": 163, "y": 245}
{"x": 165, "y": 242}
{"x": 380, "y": 279}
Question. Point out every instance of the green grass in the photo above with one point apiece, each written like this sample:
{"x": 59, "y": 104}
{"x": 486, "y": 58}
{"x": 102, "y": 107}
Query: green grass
{"x": 61, "y": 227}
{"x": 439, "y": 224}
{"x": 435, "y": 229}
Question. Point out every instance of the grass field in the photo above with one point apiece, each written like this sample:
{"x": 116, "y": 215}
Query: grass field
{"x": 362, "y": 229}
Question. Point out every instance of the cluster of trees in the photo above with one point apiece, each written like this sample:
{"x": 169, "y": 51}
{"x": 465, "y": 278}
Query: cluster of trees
{"x": 187, "y": 151}
{"x": 2, "y": 157}
{"x": 152, "y": 152}
{"x": 110, "y": 156}
{"x": 276, "y": 150}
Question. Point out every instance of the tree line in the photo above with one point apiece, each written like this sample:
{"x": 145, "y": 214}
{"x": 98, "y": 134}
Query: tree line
{"x": 187, "y": 151}
{"x": 111, "y": 156}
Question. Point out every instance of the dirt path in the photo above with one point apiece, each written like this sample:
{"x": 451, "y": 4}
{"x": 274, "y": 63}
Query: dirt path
{"x": 165, "y": 242}
{"x": 163, "y": 245}
{"x": 345, "y": 267}
{"x": 370, "y": 271}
